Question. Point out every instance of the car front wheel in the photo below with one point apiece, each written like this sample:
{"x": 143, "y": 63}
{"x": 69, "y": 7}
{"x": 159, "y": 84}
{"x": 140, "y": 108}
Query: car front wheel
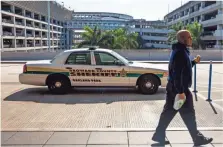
{"x": 148, "y": 84}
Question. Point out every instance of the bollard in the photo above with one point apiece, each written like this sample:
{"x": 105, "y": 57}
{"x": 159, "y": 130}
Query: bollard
{"x": 209, "y": 84}
{"x": 195, "y": 78}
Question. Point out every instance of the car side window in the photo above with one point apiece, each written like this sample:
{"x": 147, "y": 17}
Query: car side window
{"x": 103, "y": 58}
{"x": 83, "y": 58}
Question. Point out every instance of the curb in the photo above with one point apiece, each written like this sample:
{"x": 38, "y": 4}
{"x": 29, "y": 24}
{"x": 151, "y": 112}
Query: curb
{"x": 165, "y": 62}
{"x": 108, "y": 129}
{"x": 13, "y": 62}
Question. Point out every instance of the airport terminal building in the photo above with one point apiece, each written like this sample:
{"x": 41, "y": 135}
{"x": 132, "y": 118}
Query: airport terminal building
{"x": 25, "y": 25}
{"x": 104, "y": 20}
{"x": 208, "y": 13}
{"x": 153, "y": 33}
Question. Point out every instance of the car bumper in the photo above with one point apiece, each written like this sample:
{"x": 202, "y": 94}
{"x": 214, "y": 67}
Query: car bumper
{"x": 32, "y": 79}
{"x": 163, "y": 81}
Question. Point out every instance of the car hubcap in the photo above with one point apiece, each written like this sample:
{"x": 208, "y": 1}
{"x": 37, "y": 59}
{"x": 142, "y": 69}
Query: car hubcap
{"x": 58, "y": 84}
{"x": 148, "y": 85}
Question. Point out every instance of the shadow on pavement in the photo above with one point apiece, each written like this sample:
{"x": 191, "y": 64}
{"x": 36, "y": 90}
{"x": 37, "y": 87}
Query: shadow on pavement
{"x": 213, "y": 108}
{"x": 42, "y": 95}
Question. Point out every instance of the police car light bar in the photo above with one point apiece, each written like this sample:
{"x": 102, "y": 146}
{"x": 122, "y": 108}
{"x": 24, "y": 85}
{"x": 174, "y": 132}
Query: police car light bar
{"x": 93, "y": 47}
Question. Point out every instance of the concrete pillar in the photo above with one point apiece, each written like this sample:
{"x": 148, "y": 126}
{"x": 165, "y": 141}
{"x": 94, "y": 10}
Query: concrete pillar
{"x": 25, "y": 42}
{"x": 14, "y": 31}
{"x": 219, "y": 2}
{"x": 202, "y": 17}
{"x": 67, "y": 37}
{"x": 202, "y": 4}
{"x": 14, "y": 43}
{"x": 2, "y": 46}
{"x": 13, "y": 19}
{"x": 190, "y": 10}
{"x": 218, "y": 44}
{"x": 220, "y": 11}
{"x": 13, "y": 8}
{"x": 23, "y": 12}
{"x": 140, "y": 26}
{"x": 1, "y": 40}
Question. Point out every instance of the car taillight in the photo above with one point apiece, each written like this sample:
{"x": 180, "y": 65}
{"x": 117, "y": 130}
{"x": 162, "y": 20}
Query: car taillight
{"x": 24, "y": 69}
{"x": 166, "y": 74}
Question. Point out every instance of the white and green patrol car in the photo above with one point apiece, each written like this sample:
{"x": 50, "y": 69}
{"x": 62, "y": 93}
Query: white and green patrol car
{"x": 93, "y": 67}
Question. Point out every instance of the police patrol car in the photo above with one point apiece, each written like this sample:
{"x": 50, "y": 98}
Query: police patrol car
{"x": 93, "y": 67}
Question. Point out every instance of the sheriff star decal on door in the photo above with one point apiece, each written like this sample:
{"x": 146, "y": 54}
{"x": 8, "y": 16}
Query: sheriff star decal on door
{"x": 123, "y": 73}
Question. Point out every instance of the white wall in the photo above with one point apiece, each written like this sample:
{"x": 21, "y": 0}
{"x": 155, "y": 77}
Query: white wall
{"x": 159, "y": 55}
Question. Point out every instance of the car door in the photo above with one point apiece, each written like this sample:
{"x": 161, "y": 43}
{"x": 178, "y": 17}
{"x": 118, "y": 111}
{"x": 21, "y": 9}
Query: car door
{"x": 80, "y": 68}
{"x": 110, "y": 70}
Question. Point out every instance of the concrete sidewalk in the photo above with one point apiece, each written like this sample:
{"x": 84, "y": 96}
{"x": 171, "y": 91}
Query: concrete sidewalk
{"x": 102, "y": 139}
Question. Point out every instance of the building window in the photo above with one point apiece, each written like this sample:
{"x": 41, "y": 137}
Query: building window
{"x": 30, "y": 43}
{"x": 28, "y": 14}
{"x": 19, "y": 32}
{"x": 18, "y": 11}
{"x": 7, "y": 31}
{"x": 20, "y": 43}
{"x": 18, "y": 21}
{"x": 7, "y": 19}
{"x": 6, "y": 7}
{"x": 7, "y": 43}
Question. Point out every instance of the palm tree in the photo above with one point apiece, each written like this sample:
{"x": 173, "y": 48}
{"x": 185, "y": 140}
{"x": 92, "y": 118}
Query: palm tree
{"x": 196, "y": 32}
{"x": 121, "y": 39}
{"x": 94, "y": 37}
{"x": 115, "y": 39}
{"x": 195, "y": 29}
{"x": 131, "y": 40}
{"x": 124, "y": 39}
{"x": 140, "y": 41}
{"x": 174, "y": 29}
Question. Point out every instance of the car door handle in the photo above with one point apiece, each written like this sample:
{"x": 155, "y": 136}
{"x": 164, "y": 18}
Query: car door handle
{"x": 68, "y": 68}
{"x": 98, "y": 68}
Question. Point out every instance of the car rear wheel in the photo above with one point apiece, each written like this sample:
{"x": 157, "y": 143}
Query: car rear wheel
{"x": 58, "y": 85}
{"x": 148, "y": 84}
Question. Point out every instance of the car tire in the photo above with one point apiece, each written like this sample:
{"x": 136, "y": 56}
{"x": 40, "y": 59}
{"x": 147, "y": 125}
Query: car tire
{"x": 59, "y": 85}
{"x": 148, "y": 84}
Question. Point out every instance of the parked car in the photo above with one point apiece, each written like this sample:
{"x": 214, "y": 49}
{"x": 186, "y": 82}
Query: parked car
{"x": 93, "y": 67}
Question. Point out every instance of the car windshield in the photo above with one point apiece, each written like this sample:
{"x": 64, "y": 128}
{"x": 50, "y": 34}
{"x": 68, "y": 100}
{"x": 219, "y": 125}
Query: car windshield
{"x": 121, "y": 57}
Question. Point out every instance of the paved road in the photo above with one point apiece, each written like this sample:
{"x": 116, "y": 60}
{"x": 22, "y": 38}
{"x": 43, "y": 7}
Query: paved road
{"x": 216, "y": 85}
{"x": 27, "y": 107}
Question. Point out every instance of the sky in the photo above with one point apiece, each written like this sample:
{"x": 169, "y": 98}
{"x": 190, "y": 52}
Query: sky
{"x": 146, "y": 9}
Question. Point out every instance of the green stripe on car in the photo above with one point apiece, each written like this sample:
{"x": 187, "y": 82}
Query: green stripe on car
{"x": 133, "y": 75}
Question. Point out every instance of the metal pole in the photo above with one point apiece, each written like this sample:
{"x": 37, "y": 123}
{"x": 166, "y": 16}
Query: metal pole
{"x": 195, "y": 78}
{"x": 48, "y": 36}
{"x": 209, "y": 84}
